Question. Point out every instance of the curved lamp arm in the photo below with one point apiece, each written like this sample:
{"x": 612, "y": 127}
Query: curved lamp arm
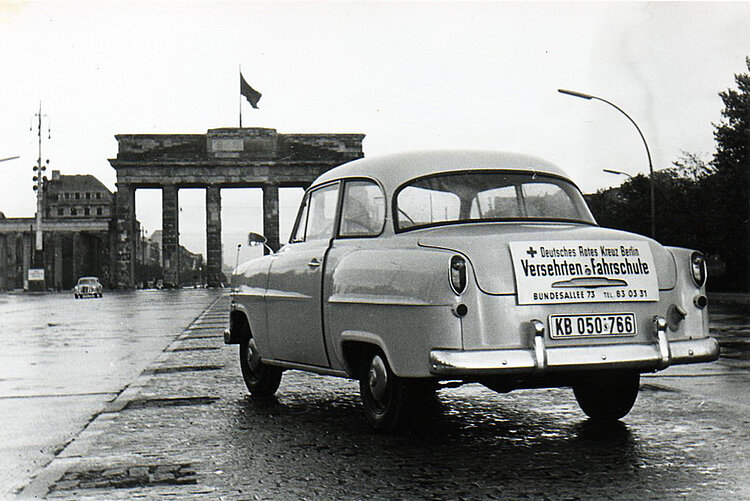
{"x": 648, "y": 153}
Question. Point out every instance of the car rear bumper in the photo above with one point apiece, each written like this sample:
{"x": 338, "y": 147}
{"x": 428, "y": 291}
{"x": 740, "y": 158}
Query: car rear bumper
{"x": 644, "y": 357}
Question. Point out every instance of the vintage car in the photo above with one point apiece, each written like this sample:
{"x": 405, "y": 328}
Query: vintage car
{"x": 87, "y": 287}
{"x": 416, "y": 271}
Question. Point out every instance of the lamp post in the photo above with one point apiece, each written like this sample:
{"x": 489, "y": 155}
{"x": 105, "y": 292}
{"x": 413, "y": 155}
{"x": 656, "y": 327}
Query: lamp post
{"x": 618, "y": 172}
{"x": 236, "y": 263}
{"x": 648, "y": 153}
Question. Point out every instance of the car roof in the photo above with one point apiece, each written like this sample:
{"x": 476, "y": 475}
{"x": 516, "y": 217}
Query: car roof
{"x": 394, "y": 170}
{"x": 88, "y": 278}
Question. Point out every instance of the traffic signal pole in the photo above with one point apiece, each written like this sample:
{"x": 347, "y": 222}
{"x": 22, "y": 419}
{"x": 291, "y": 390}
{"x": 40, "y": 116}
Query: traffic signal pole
{"x": 39, "y": 185}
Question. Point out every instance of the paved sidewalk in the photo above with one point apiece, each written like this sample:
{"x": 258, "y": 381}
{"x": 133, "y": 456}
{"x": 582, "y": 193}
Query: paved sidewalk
{"x": 110, "y": 459}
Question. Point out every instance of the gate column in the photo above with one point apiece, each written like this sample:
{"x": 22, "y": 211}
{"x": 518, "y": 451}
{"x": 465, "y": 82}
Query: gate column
{"x": 76, "y": 257}
{"x": 170, "y": 225}
{"x": 125, "y": 228}
{"x": 27, "y": 250}
{"x": 271, "y": 215}
{"x": 3, "y": 263}
{"x": 214, "y": 276}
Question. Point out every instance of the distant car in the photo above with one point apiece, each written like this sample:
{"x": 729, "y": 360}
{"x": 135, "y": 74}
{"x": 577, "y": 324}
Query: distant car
{"x": 417, "y": 271}
{"x": 88, "y": 287}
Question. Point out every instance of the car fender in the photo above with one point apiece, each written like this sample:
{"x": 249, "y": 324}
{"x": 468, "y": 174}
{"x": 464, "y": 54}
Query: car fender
{"x": 689, "y": 295}
{"x": 399, "y": 300}
{"x": 248, "y": 297}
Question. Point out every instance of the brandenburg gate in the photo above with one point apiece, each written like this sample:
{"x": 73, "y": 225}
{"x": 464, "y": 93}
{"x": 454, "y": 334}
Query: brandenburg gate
{"x": 221, "y": 158}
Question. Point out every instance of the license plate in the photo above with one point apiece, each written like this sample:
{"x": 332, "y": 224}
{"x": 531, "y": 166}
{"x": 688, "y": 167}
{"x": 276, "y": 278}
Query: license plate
{"x": 606, "y": 324}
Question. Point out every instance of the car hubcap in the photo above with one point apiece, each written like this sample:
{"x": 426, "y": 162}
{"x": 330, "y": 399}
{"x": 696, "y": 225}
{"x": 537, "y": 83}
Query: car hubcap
{"x": 253, "y": 358}
{"x": 378, "y": 378}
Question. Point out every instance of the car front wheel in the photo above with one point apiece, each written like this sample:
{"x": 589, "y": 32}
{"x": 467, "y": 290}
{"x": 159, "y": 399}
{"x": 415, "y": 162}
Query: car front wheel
{"x": 608, "y": 396}
{"x": 262, "y": 380}
{"x": 391, "y": 403}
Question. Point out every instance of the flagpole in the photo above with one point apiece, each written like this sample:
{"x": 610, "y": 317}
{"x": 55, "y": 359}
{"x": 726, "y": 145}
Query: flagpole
{"x": 240, "y": 96}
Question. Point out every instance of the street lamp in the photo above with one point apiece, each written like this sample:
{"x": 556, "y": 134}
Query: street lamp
{"x": 648, "y": 153}
{"x": 619, "y": 172}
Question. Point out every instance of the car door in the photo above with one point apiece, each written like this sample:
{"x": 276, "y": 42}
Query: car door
{"x": 293, "y": 297}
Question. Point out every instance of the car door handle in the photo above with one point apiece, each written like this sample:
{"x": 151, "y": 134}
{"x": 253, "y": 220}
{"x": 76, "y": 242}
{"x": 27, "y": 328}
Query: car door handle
{"x": 314, "y": 263}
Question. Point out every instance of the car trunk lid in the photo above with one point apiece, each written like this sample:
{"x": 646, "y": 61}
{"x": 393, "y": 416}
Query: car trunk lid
{"x": 564, "y": 258}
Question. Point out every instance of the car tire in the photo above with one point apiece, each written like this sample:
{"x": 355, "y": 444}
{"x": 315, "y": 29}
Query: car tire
{"x": 262, "y": 380}
{"x": 607, "y": 396}
{"x": 391, "y": 403}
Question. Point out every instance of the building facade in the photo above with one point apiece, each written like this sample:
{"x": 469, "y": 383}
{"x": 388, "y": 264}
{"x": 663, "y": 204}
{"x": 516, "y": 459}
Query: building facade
{"x": 77, "y": 236}
{"x": 77, "y": 197}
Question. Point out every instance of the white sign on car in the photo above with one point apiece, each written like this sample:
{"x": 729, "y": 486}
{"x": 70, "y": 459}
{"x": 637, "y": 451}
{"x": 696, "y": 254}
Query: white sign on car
{"x": 590, "y": 271}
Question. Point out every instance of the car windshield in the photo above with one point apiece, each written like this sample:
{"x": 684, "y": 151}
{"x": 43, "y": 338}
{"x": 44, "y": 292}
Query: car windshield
{"x": 88, "y": 281}
{"x": 482, "y": 195}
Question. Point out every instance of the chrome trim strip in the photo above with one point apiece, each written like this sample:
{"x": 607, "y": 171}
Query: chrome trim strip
{"x": 380, "y": 300}
{"x": 277, "y": 294}
{"x": 590, "y": 282}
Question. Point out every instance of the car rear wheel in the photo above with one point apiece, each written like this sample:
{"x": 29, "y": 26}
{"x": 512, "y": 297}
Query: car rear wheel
{"x": 391, "y": 403}
{"x": 262, "y": 380}
{"x": 607, "y": 396}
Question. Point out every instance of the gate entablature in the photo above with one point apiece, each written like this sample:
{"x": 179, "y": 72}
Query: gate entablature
{"x": 221, "y": 158}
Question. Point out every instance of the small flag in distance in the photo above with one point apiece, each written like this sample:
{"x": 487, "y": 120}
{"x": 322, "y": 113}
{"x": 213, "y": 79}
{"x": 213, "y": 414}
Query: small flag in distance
{"x": 252, "y": 95}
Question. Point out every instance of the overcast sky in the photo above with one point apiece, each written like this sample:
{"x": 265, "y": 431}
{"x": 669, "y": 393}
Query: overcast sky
{"x": 410, "y": 76}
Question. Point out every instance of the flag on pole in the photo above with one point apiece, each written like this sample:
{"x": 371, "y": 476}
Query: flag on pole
{"x": 252, "y": 95}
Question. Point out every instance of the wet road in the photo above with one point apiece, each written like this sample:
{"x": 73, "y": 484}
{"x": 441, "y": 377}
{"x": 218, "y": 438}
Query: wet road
{"x": 727, "y": 381}
{"x": 63, "y": 358}
{"x": 730, "y": 324}
{"x": 687, "y": 437}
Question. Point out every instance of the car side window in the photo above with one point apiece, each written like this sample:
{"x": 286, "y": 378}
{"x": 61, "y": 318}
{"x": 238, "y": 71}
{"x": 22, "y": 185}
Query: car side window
{"x": 318, "y": 214}
{"x": 363, "y": 210}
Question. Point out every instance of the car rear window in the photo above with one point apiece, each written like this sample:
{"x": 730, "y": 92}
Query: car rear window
{"x": 477, "y": 196}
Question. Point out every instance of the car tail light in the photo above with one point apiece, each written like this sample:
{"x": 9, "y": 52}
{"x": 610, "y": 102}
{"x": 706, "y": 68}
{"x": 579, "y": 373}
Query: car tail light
{"x": 458, "y": 274}
{"x": 698, "y": 268}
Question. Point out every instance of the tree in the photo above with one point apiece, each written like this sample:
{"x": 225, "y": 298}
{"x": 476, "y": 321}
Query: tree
{"x": 728, "y": 187}
{"x": 626, "y": 206}
{"x": 691, "y": 166}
